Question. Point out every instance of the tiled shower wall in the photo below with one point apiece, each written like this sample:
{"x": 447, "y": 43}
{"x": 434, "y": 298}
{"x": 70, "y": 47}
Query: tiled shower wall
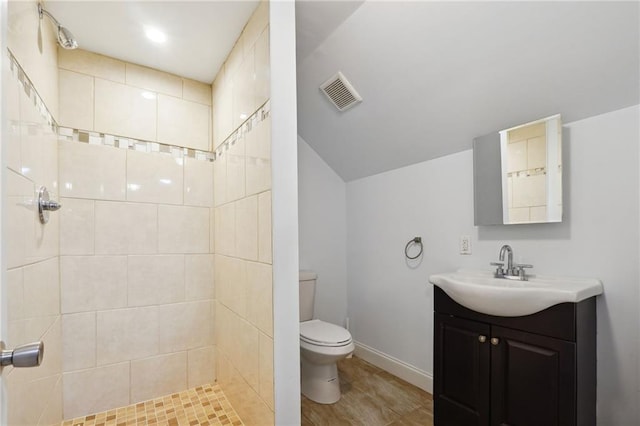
{"x": 136, "y": 274}
{"x": 31, "y": 286}
{"x": 242, "y": 189}
{"x": 136, "y": 245}
{"x": 103, "y": 94}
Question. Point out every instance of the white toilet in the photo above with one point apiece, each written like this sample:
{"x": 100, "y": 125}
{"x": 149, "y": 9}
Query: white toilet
{"x": 322, "y": 345}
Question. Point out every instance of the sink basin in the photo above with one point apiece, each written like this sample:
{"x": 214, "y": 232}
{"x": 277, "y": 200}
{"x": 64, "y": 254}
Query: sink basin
{"x": 481, "y": 292}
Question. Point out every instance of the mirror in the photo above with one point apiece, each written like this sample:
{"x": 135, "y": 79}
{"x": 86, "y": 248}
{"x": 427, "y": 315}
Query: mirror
{"x": 517, "y": 174}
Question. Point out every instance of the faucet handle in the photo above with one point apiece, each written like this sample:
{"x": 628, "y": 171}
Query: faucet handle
{"x": 520, "y": 268}
{"x": 499, "y": 270}
{"x": 522, "y": 265}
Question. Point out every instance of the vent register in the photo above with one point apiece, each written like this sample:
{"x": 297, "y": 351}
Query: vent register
{"x": 340, "y": 92}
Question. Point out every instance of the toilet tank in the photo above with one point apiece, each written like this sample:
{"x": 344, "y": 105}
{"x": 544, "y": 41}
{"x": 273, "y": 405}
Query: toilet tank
{"x": 307, "y": 294}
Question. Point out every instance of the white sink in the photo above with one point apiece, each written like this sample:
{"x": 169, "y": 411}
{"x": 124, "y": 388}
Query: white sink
{"x": 481, "y": 292}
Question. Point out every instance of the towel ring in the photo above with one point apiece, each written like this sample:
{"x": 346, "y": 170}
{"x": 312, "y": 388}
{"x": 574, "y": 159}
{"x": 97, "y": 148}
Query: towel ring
{"x": 416, "y": 240}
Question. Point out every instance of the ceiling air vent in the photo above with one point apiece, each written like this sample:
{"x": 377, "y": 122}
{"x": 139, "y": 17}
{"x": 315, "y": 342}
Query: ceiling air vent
{"x": 340, "y": 92}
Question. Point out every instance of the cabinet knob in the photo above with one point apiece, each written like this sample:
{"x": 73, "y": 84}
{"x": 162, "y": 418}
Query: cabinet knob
{"x": 482, "y": 338}
{"x": 495, "y": 341}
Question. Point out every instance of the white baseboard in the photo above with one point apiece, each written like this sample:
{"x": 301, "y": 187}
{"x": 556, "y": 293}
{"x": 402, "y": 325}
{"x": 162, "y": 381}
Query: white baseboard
{"x": 398, "y": 368}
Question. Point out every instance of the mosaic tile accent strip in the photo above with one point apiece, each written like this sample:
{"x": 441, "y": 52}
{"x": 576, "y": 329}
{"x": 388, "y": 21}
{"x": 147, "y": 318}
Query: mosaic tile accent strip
{"x": 260, "y": 115}
{"x": 78, "y": 135}
{"x": 202, "y": 406}
{"x": 23, "y": 82}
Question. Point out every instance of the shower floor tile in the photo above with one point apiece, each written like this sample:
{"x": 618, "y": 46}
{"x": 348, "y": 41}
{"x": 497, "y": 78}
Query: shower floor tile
{"x": 204, "y": 405}
{"x": 370, "y": 397}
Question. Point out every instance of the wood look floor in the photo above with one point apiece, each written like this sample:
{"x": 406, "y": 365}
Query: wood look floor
{"x": 370, "y": 397}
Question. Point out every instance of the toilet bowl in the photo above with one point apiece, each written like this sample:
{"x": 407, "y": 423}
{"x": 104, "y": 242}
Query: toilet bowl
{"x": 322, "y": 345}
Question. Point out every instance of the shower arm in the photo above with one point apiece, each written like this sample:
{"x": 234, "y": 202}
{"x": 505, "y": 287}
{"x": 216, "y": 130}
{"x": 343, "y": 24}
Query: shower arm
{"x": 42, "y": 11}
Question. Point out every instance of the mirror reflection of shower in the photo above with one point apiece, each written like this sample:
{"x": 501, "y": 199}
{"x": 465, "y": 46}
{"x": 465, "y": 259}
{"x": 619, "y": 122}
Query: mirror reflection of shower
{"x": 532, "y": 172}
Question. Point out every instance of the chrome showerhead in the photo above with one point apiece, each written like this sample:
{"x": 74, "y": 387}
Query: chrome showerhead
{"x": 65, "y": 38}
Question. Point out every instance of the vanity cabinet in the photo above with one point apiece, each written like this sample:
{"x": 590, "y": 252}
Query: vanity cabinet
{"x": 538, "y": 369}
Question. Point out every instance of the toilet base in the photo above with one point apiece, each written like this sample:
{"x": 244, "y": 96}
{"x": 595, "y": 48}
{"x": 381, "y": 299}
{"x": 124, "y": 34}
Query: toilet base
{"x": 320, "y": 382}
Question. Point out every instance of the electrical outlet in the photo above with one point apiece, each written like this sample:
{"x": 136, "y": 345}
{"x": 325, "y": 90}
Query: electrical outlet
{"x": 465, "y": 244}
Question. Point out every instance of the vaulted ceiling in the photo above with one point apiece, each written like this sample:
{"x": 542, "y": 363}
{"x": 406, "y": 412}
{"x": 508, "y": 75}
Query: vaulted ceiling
{"x": 433, "y": 75}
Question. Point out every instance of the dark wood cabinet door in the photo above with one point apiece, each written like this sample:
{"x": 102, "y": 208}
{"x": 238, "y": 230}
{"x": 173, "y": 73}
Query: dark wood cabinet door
{"x": 461, "y": 372}
{"x": 532, "y": 379}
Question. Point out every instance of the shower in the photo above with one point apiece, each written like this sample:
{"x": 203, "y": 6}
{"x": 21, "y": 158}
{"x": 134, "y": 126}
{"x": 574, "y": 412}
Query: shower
{"x": 65, "y": 38}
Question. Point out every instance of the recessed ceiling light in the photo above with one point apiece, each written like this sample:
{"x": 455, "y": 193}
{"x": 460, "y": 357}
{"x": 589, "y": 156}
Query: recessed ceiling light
{"x": 155, "y": 35}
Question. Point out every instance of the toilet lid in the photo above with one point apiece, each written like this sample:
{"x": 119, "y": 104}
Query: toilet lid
{"x": 322, "y": 333}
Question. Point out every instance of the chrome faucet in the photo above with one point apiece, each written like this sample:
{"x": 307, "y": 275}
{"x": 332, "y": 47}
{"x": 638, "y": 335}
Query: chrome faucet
{"x": 512, "y": 271}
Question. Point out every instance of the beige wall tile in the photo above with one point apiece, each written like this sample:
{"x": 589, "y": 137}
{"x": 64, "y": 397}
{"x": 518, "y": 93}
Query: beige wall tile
{"x": 27, "y": 330}
{"x": 263, "y": 69}
{"x": 258, "y": 158}
{"x": 155, "y": 279}
{"x": 220, "y": 180}
{"x": 38, "y": 59}
{"x": 264, "y": 227}
{"x": 530, "y": 191}
{"x": 231, "y": 284}
{"x": 52, "y": 363}
{"x": 76, "y": 100}
{"x": 260, "y": 296}
{"x": 146, "y": 383}
{"x": 201, "y": 366}
{"x": 95, "y": 390}
{"x": 247, "y": 403}
{"x": 183, "y": 229}
{"x": 124, "y": 110}
{"x": 256, "y": 25}
{"x": 183, "y": 123}
{"x": 91, "y": 63}
{"x": 198, "y": 182}
{"x": 77, "y": 226}
{"x": 126, "y": 334}
{"x": 15, "y": 294}
{"x": 28, "y": 399}
{"x": 247, "y": 360}
{"x": 198, "y": 276}
{"x": 223, "y": 112}
{"x": 236, "y": 171}
{"x": 78, "y": 341}
{"x": 91, "y": 283}
{"x": 538, "y": 214}
{"x": 184, "y": 326}
{"x": 247, "y": 228}
{"x": 154, "y": 178}
{"x": 11, "y": 94}
{"x": 53, "y": 411}
{"x": 21, "y": 214}
{"x": 266, "y": 369}
{"x": 92, "y": 171}
{"x": 244, "y": 89}
{"x": 126, "y": 228}
{"x": 225, "y": 234}
{"x": 519, "y": 214}
{"x": 38, "y": 146}
{"x": 196, "y": 91}
{"x": 517, "y": 156}
{"x": 42, "y": 289}
{"x": 537, "y": 152}
{"x": 47, "y": 241}
{"x": 212, "y": 228}
{"x": 234, "y": 61}
{"x": 154, "y": 80}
